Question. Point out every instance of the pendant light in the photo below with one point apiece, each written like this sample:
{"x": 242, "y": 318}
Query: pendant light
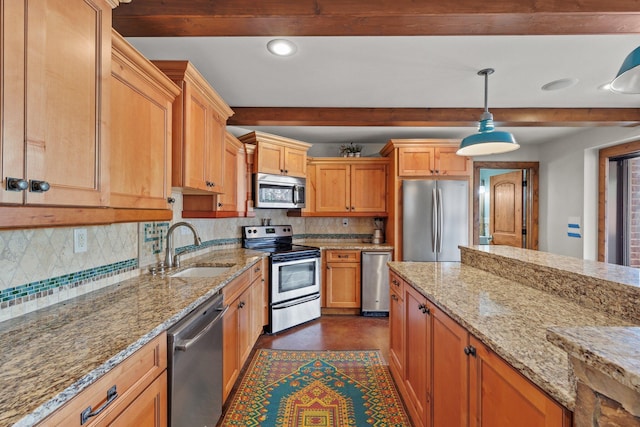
{"x": 487, "y": 140}
{"x": 628, "y": 78}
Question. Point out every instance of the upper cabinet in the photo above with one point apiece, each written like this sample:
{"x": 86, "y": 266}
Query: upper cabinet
{"x": 420, "y": 157}
{"x": 199, "y": 124}
{"x": 278, "y": 155}
{"x": 348, "y": 186}
{"x": 55, "y": 70}
{"x": 141, "y": 105}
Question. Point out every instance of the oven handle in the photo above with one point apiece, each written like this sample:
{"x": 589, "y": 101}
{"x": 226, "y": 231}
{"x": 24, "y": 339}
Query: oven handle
{"x": 281, "y": 306}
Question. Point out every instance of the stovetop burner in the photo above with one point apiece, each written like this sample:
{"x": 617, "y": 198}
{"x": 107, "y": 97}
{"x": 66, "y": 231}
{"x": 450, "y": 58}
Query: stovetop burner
{"x": 275, "y": 239}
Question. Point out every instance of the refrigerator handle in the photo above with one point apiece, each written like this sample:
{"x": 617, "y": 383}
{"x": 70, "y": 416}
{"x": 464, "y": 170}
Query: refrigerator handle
{"x": 434, "y": 221}
{"x": 440, "y": 220}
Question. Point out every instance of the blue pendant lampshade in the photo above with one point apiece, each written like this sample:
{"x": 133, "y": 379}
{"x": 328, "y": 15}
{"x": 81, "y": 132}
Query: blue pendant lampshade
{"x": 487, "y": 140}
{"x": 628, "y": 78}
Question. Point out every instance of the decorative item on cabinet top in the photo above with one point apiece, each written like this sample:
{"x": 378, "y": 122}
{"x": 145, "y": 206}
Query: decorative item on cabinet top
{"x": 350, "y": 150}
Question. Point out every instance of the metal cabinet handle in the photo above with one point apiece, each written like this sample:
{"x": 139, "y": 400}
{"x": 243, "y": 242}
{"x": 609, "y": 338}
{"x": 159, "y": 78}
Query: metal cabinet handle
{"x": 219, "y": 204}
{"x": 241, "y": 304}
{"x": 112, "y": 394}
{"x": 470, "y": 350}
{"x": 395, "y": 282}
{"x": 424, "y": 309}
{"x": 256, "y": 270}
{"x": 39, "y": 186}
{"x": 394, "y": 297}
{"x": 17, "y": 184}
{"x": 171, "y": 200}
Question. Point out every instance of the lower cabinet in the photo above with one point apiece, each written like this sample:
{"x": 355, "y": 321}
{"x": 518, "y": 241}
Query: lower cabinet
{"x": 448, "y": 378}
{"x": 140, "y": 382}
{"x": 242, "y": 323}
{"x": 342, "y": 279}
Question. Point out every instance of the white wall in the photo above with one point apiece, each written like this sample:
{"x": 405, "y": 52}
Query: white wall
{"x": 569, "y": 187}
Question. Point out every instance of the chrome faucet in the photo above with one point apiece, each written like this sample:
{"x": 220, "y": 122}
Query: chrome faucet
{"x": 171, "y": 260}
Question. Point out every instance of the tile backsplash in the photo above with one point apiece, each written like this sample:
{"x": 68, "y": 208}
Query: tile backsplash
{"x": 38, "y": 267}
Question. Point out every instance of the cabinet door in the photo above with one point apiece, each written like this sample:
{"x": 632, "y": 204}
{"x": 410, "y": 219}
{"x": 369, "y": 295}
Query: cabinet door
{"x": 270, "y": 158}
{"x": 449, "y": 163}
{"x": 502, "y": 397}
{"x": 196, "y": 116}
{"x": 140, "y": 131}
{"x": 332, "y": 188}
{"x": 67, "y": 104}
{"x": 416, "y": 161}
{"x": 418, "y": 353}
{"x": 229, "y": 200}
{"x": 343, "y": 285}
{"x": 396, "y": 328}
{"x": 295, "y": 162}
{"x": 245, "y": 334}
{"x": 450, "y": 395}
{"x": 12, "y": 91}
{"x": 149, "y": 409}
{"x": 368, "y": 188}
{"x": 230, "y": 353}
{"x": 214, "y": 173}
{"x": 257, "y": 309}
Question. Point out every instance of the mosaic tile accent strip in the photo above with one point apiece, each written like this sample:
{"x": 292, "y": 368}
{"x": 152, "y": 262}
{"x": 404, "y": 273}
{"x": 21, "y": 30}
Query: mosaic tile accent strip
{"x": 18, "y": 294}
{"x": 155, "y": 232}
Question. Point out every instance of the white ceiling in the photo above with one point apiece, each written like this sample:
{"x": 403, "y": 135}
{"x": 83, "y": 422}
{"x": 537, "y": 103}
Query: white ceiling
{"x": 411, "y": 72}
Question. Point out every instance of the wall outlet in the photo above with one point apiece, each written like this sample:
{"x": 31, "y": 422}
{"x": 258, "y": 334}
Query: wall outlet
{"x": 79, "y": 240}
{"x": 345, "y": 222}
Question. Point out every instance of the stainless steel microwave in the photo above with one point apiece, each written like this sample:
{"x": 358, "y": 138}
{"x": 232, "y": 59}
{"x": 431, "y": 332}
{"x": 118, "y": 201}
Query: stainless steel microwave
{"x": 278, "y": 191}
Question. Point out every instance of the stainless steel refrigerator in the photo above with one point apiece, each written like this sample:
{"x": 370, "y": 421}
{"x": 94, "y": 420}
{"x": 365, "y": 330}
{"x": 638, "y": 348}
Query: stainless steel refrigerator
{"x": 435, "y": 219}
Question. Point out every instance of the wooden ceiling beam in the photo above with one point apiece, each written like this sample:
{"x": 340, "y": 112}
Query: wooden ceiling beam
{"x": 174, "y": 18}
{"x": 433, "y": 117}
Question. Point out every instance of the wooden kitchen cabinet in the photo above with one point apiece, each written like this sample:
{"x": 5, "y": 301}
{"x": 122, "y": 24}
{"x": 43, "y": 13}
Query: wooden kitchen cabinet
{"x": 431, "y": 159}
{"x": 231, "y": 203}
{"x": 460, "y": 381}
{"x": 199, "y": 125}
{"x": 55, "y": 102}
{"x": 278, "y": 155}
{"x": 141, "y": 384}
{"x": 242, "y": 323}
{"x": 349, "y": 187}
{"x": 141, "y": 112}
{"x": 342, "y": 279}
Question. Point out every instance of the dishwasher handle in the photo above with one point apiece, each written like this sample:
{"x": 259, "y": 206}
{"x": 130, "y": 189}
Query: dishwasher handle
{"x": 184, "y": 345}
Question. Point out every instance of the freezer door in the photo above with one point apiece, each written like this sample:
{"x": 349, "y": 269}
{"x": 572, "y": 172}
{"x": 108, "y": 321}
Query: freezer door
{"x": 454, "y": 218}
{"x": 418, "y": 237}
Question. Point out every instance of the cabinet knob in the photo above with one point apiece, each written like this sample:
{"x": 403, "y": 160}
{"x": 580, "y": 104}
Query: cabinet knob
{"x": 470, "y": 350}
{"x": 16, "y": 184}
{"x": 256, "y": 270}
{"x": 346, "y": 208}
{"x": 219, "y": 204}
{"x": 171, "y": 200}
{"x": 281, "y": 170}
{"x": 394, "y": 297}
{"x": 424, "y": 309}
{"x": 241, "y": 304}
{"x": 395, "y": 282}
{"x": 353, "y": 208}
{"x": 286, "y": 171}
{"x": 39, "y": 186}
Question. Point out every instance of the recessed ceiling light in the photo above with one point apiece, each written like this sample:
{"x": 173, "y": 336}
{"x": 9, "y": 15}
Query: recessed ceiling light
{"x": 281, "y": 47}
{"x": 560, "y": 84}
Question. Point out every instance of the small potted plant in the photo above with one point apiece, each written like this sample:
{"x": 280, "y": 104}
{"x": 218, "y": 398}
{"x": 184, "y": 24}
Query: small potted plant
{"x": 350, "y": 150}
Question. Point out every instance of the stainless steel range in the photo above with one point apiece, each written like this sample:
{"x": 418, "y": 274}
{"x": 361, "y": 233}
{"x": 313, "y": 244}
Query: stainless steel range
{"x": 294, "y": 283}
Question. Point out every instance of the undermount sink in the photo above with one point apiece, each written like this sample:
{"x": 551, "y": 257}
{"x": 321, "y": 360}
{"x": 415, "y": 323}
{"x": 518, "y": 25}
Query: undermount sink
{"x": 201, "y": 271}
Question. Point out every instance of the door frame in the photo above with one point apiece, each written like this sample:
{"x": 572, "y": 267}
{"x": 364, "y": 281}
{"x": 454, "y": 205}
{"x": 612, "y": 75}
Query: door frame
{"x": 533, "y": 173}
{"x": 604, "y": 156}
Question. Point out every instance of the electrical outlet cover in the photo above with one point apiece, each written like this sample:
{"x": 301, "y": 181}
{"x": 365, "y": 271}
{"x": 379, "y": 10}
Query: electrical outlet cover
{"x": 79, "y": 240}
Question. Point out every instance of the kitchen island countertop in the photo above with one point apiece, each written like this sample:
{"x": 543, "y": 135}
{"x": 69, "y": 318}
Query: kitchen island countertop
{"x": 510, "y": 318}
{"x": 50, "y": 355}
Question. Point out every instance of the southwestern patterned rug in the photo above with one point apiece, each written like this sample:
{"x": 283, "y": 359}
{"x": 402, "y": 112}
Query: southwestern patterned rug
{"x": 316, "y": 389}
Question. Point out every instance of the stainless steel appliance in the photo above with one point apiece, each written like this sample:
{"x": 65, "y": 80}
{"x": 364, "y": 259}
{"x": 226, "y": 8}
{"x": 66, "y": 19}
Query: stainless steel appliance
{"x": 278, "y": 191}
{"x": 294, "y": 279}
{"x": 375, "y": 283}
{"x": 195, "y": 366}
{"x": 435, "y": 219}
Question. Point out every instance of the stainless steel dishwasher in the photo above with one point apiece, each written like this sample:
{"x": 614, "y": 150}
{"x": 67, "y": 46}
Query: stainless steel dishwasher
{"x": 195, "y": 366}
{"x": 375, "y": 283}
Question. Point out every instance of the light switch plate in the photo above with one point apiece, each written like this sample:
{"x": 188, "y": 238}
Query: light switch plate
{"x": 79, "y": 240}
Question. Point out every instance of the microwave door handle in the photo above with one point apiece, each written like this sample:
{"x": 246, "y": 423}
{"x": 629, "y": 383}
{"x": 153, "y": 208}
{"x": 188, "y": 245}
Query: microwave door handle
{"x": 295, "y": 194}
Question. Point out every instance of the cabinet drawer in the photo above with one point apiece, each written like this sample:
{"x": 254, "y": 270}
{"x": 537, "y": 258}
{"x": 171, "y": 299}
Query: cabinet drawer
{"x": 237, "y": 286}
{"x": 343, "y": 256}
{"x": 396, "y": 284}
{"x": 130, "y": 378}
{"x": 256, "y": 270}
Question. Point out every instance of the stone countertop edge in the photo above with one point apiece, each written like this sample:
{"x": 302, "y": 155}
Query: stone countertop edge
{"x": 539, "y": 361}
{"x": 614, "y": 351}
{"x": 242, "y": 260}
{"x": 328, "y": 244}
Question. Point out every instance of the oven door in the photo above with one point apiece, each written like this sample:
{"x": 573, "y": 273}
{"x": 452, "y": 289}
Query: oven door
{"x": 294, "y": 279}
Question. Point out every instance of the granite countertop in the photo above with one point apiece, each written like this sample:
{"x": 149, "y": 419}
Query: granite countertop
{"x": 50, "y": 355}
{"x": 510, "y": 318}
